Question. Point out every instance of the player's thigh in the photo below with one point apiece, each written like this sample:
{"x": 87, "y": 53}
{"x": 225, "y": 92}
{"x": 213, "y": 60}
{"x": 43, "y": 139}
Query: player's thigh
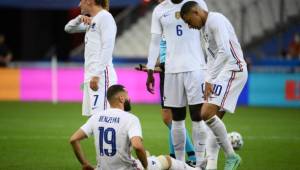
{"x": 86, "y": 108}
{"x": 97, "y": 99}
{"x": 227, "y": 88}
{"x": 153, "y": 163}
{"x": 193, "y": 82}
{"x": 230, "y": 99}
{"x": 174, "y": 93}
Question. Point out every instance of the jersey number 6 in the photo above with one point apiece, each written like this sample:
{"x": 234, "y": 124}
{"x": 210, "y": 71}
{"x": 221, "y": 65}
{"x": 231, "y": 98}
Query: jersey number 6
{"x": 179, "y": 30}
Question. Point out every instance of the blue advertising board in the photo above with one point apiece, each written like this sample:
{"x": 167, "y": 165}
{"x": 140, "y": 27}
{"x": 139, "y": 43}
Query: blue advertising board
{"x": 278, "y": 89}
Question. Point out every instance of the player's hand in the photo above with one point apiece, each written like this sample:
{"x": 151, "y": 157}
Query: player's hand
{"x": 208, "y": 90}
{"x": 150, "y": 82}
{"x": 85, "y": 19}
{"x": 94, "y": 83}
{"x": 87, "y": 167}
{"x": 141, "y": 67}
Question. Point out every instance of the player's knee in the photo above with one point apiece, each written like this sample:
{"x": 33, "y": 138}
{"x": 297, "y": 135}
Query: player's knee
{"x": 195, "y": 112}
{"x": 165, "y": 161}
{"x": 166, "y": 116}
{"x": 208, "y": 111}
{"x": 178, "y": 113}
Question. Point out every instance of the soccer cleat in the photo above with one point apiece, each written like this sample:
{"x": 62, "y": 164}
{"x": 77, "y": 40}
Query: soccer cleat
{"x": 191, "y": 163}
{"x": 232, "y": 162}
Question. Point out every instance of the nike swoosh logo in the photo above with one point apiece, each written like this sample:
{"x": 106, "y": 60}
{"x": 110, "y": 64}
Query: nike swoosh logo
{"x": 165, "y": 15}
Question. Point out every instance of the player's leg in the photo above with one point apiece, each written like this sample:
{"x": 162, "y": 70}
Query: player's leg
{"x": 167, "y": 119}
{"x": 86, "y": 109}
{"x": 227, "y": 89}
{"x": 97, "y": 99}
{"x": 166, "y": 113}
{"x": 193, "y": 81}
{"x": 199, "y": 135}
{"x": 218, "y": 128}
{"x": 212, "y": 147}
{"x": 176, "y": 100}
{"x": 178, "y": 132}
{"x": 170, "y": 163}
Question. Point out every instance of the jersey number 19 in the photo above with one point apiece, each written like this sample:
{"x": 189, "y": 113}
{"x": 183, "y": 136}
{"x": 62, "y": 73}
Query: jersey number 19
{"x": 107, "y": 136}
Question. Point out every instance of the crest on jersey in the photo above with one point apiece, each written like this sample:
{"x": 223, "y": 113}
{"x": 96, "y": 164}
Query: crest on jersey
{"x": 177, "y": 15}
{"x": 92, "y": 27}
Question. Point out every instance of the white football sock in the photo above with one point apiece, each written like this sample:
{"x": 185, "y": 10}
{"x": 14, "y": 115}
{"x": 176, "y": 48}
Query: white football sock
{"x": 212, "y": 150}
{"x": 199, "y": 140}
{"x": 179, "y": 139}
{"x": 218, "y": 128}
{"x": 179, "y": 165}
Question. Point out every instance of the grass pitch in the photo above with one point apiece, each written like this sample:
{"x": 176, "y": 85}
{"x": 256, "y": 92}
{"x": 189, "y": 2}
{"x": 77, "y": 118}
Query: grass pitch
{"x": 35, "y": 136}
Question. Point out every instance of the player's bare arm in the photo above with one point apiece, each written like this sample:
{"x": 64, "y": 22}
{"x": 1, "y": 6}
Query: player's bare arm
{"x": 75, "y": 142}
{"x": 138, "y": 146}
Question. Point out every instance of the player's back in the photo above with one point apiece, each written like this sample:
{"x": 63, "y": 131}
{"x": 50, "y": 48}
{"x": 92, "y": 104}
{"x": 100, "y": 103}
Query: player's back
{"x": 112, "y": 131}
{"x": 184, "y": 51}
{"x": 237, "y": 61}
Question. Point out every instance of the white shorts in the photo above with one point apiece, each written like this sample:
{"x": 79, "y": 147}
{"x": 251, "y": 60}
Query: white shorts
{"x": 184, "y": 88}
{"x": 227, "y": 88}
{"x": 153, "y": 164}
{"x": 95, "y": 101}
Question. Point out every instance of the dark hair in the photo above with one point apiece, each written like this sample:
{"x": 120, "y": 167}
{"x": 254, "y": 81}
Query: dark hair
{"x": 186, "y": 8}
{"x": 113, "y": 90}
{"x": 103, "y": 3}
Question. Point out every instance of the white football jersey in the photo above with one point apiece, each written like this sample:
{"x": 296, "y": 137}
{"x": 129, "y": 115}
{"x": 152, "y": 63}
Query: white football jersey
{"x": 183, "y": 44}
{"x": 222, "y": 46}
{"x": 99, "y": 42}
{"x": 112, "y": 130}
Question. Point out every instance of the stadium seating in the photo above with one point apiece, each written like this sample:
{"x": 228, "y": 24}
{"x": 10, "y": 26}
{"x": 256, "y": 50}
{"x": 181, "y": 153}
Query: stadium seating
{"x": 257, "y": 16}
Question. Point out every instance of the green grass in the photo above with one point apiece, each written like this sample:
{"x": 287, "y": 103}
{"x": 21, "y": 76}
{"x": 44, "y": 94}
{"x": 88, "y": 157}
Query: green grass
{"x": 35, "y": 136}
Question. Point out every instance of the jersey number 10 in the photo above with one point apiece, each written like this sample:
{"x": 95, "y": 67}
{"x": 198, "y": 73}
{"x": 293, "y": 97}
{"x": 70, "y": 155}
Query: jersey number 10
{"x": 107, "y": 136}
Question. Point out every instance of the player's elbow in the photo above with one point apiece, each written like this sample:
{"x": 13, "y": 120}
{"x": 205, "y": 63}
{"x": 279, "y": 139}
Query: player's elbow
{"x": 139, "y": 148}
{"x": 68, "y": 29}
{"x": 137, "y": 144}
{"x": 73, "y": 140}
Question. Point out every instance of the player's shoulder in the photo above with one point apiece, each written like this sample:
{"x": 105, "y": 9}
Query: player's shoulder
{"x": 161, "y": 7}
{"x": 104, "y": 15}
{"x": 215, "y": 18}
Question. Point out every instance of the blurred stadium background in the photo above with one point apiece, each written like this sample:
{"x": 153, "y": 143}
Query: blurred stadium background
{"x": 40, "y": 87}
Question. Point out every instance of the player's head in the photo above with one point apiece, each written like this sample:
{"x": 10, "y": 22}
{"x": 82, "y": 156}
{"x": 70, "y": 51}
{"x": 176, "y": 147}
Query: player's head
{"x": 87, "y": 5}
{"x": 176, "y": 1}
{"x": 193, "y": 15}
{"x": 117, "y": 96}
